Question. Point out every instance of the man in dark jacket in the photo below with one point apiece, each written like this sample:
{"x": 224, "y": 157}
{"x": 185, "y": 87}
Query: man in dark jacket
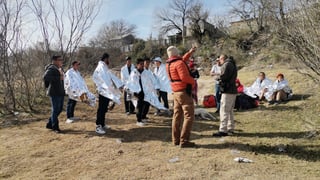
{"x": 228, "y": 89}
{"x": 53, "y": 79}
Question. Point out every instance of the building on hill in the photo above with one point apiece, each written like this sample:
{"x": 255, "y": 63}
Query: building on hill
{"x": 207, "y": 29}
{"x": 124, "y": 42}
{"x": 244, "y": 25}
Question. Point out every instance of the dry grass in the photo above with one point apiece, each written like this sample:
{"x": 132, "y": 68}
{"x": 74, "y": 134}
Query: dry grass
{"x": 29, "y": 151}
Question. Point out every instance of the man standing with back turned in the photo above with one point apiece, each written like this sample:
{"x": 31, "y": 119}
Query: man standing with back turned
{"x": 183, "y": 107}
{"x": 228, "y": 89}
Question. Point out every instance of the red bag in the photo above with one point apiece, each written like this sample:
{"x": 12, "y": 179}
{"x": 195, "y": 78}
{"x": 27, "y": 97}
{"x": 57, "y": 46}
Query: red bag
{"x": 209, "y": 101}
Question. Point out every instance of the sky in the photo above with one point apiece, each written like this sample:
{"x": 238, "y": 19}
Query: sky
{"x": 142, "y": 13}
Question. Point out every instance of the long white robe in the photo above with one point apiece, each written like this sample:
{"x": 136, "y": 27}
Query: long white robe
{"x": 277, "y": 86}
{"x": 257, "y": 87}
{"x": 107, "y": 83}
{"x": 162, "y": 78}
{"x": 150, "y": 93}
{"x": 75, "y": 86}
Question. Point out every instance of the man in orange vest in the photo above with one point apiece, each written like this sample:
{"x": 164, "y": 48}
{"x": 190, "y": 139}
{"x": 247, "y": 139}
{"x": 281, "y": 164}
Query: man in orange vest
{"x": 181, "y": 84}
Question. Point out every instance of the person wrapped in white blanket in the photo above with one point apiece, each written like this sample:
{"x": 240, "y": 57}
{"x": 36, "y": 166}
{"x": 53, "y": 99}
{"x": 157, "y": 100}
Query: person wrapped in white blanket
{"x": 142, "y": 87}
{"x": 77, "y": 90}
{"x": 109, "y": 87}
{"x": 259, "y": 88}
{"x": 279, "y": 91}
{"x": 163, "y": 81}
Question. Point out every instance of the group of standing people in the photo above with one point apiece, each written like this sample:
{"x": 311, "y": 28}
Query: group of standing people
{"x": 142, "y": 88}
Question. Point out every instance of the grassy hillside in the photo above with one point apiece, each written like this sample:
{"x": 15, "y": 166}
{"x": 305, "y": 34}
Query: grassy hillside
{"x": 283, "y": 141}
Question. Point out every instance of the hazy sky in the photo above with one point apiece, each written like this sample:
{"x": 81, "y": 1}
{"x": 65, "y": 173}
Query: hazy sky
{"x": 142, "y": 13}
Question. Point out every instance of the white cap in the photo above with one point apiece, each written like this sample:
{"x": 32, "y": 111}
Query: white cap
{"x": 157, "y": 59}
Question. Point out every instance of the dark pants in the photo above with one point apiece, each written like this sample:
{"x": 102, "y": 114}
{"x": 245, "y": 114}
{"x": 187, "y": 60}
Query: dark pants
{"x": 164, "y": 96}
{"x": 102, "y": 110}
{"x": 56, "y": 109}
{"x": 141, "y": 107}
{"x": 70, "y": 108}
{"x": 217, "y": 96}
{"x": 128, "y": 104}
{"x": 145, "y": 110}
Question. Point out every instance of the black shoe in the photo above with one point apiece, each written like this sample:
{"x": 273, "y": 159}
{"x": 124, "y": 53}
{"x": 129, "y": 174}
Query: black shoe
{"x": 188, "y": 145}
{"x": 271, "y": 102}
{"x": 56, "y": 130}
{"x": 219, "y": 134}
{"x": 231, "y": 133}
{"x": 49, "y": 126}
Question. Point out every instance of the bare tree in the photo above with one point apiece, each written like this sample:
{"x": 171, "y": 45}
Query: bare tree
{"x": 114, "y": 29}
{"x": 298, "y": 27}
{"x": 196, "y": 14}
{"x": 9, "y": 34}
{"x": 257, "y": 11}
{"x": 65, "y": 23}
{"x": 174, "y": 16}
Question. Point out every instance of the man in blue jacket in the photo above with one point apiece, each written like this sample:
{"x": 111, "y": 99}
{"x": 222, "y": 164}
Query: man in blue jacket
{"x": 53, "y": 79}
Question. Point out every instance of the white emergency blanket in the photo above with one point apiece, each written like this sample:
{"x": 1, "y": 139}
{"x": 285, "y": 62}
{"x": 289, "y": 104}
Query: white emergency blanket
{"x": 162, "y": 78}
{"x": 77, "y": 89}
{"x": 150, "y": 93}
{"x": 107, "y": 83}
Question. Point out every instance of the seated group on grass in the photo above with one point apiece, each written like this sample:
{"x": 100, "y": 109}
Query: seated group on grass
{"x": 263, "y": 89}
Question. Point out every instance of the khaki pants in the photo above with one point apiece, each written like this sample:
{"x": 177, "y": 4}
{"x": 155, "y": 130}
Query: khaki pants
{"x": 226, "y": 112}
{"x": 183, "y": 113}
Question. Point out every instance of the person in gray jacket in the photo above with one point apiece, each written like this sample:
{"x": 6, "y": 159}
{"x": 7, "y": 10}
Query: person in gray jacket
{"x": 53, "y": 78}
{"x": 228, "y": 90}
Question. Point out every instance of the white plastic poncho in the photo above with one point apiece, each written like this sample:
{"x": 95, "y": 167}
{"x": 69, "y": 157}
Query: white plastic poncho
{"x": 124, "y": 73}
{"x": 75, "y": 86}
{"x": 107, "y": 83}
{"x": 257, "y": 87}
{"x": 150, "y": 93}
{"x": 277, "y": 86}
{"x": 163, "y": 79}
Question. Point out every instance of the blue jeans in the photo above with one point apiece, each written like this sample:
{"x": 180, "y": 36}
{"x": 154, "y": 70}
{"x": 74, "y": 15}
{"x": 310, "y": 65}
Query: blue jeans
{"x": 217, "y": 96}
{"x": 70, "y": 108}
{"x": 56, "y": 109}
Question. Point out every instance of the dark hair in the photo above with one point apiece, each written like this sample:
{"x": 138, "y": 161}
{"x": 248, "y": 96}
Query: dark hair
{"x": 74, "y": 62}
{"x": 55, "y": 57}
{"x": 146, "y": 58}
{"x": 128, "y": 58}
{"x": 264, "y": 74}
{"x": 139, "y": 60}
{"x": 104, "y": 56}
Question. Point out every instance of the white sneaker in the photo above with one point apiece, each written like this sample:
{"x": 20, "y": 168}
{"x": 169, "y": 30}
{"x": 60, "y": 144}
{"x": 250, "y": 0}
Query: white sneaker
{"x": 141, "y": 124}
{"x": 106, "y": 127}
{"x": 100, "y": 130}
{"x": 69, "y": 120}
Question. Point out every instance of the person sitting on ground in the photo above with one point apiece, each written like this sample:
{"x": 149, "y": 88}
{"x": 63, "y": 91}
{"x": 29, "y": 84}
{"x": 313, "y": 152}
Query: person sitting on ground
{"x": 280, "y": 90}
{"x": 243, "y": 101}
{"x": 259, "y": 87}
{"x": 77, "y": 90}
